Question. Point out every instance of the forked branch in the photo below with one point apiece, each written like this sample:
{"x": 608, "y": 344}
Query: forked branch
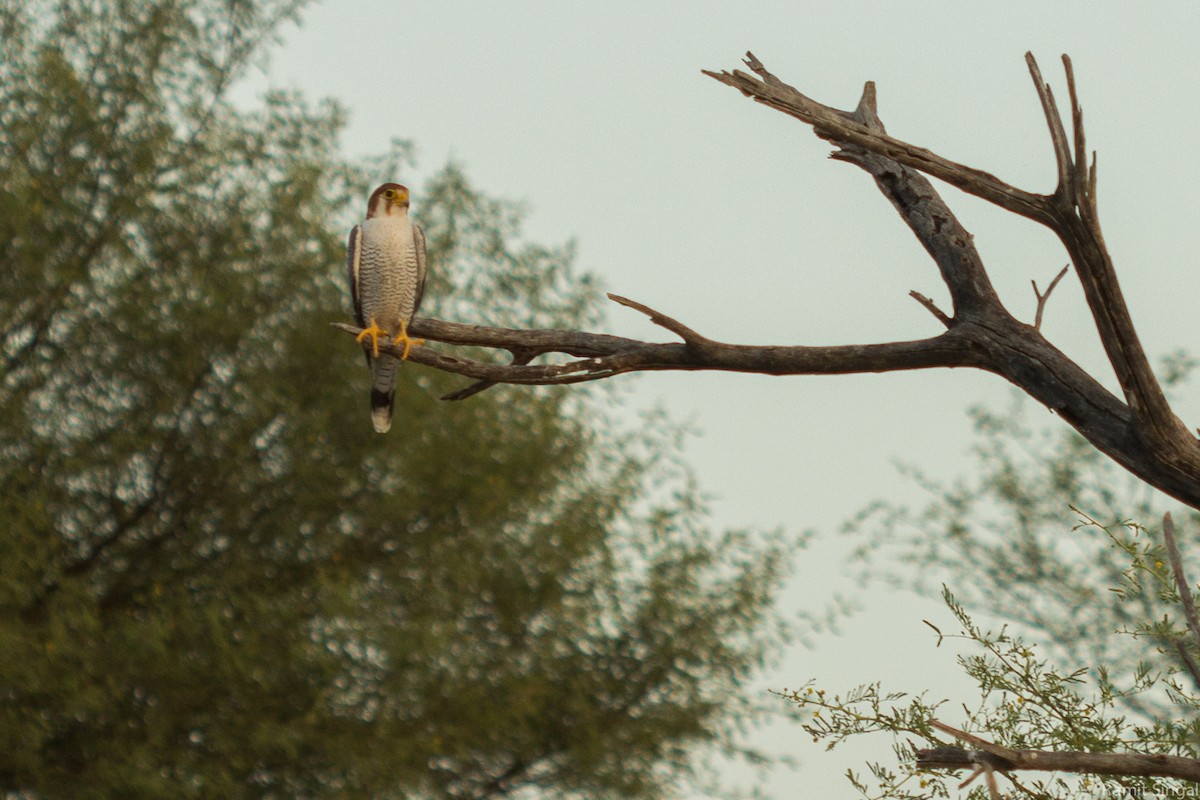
{"x": 1043, "y": 297}
{"x": 992, "y": 757}
{"x": 599, "y": 356}
{"x": 1138, "y": 430}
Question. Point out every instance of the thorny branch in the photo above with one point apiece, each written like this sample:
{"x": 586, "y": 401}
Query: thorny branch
{"x": 1138, "y": 430}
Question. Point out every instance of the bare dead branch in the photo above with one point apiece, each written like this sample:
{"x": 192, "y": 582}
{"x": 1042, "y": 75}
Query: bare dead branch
{"x": 611, "y": 355}
{"x": 1070, "y": 212}
{"x": 1138, "y": 430}
{"x": 1074, "y": 219}
{"x": 933, "y": 223}
{"x": 1003, "y": 759}
{"x": 1042, "y": 298}
{"x": 837, "y": 126}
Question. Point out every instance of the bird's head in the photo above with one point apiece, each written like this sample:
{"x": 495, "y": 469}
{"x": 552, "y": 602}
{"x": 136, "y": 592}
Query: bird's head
{"x": 389, "y": 200}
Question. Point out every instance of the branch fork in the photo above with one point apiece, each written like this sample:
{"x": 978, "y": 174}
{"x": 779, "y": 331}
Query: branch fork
{"x": 989, "y": 758}
{"x": 1138, "y": 428}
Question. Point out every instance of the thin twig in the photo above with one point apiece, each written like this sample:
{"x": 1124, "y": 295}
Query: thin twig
{"x": 1181, "y": 581}
{"x": 658, "y": 318}
{"x": 970, "y": 738}
{"x": 1092, "y": 184}
{"x": 932, "y": 308}
{"x": 1042, "y": 298}
{"x": 975, "y": 773}
{"x": 993, "y": 787}
{"x": 1081, "y": 171}
{"x": 1058, "y": 134}
{"x": 1189, "y": 663}
{"x": 520, "y": 357}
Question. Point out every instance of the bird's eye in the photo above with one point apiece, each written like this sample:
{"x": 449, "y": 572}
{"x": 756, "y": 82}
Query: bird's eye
{"x": 389, "y": 194}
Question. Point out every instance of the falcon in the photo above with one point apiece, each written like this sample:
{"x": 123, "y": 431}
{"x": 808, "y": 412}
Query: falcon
{"x": 386, "y": 261}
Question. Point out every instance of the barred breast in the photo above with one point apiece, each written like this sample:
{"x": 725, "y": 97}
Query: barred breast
{"x": 388, "y": 278}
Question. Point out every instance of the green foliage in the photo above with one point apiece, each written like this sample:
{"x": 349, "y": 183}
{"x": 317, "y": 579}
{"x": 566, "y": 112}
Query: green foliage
{"x": 1092, "y": 654}
{"x": 1041, "y": 536}
{"x": 1024, "y": 703}
{"x": 215, "y": 579}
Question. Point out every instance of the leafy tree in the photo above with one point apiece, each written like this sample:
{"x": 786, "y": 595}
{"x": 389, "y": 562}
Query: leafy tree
{"x": 215, "y": 580}
{"x": 1092, "y": 655}
{"x": 1047, "y": 529}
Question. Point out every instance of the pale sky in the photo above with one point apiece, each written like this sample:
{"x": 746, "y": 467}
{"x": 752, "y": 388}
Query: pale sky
{"x": 686, "y": 196}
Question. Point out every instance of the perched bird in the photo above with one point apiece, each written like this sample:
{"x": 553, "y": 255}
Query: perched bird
{"x": 386, "y": 261}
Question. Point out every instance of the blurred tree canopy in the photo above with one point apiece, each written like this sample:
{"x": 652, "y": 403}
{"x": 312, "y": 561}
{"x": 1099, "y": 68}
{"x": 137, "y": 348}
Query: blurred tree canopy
{"x": 215, "y": 579}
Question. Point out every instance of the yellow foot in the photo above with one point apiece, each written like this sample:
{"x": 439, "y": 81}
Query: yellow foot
{"x": 374, "y": 332}
{"x": 406, "y": 339}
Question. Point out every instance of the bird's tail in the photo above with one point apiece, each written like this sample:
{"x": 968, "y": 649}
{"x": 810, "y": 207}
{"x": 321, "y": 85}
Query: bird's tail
{"x": 383, "y": 391}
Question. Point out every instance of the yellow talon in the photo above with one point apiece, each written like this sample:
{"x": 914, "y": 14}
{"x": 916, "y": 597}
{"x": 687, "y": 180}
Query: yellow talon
{"x": 374, "y": 332}
{"x": 406, "y": 339}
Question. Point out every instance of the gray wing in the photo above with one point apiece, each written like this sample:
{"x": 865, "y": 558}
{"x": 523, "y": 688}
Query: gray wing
{"x": 353, "y": 265}
{"x": 419, "y": 246}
